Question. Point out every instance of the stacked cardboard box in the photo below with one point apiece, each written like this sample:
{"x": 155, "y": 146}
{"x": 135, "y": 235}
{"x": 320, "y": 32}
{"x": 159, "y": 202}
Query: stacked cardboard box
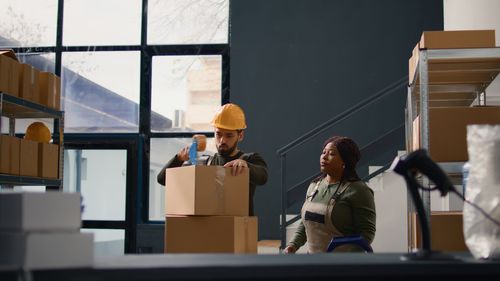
{"x": 207, "y": 211}
{"x": 28, "y": 158}
{"x": 25, "y": 81}
{"x": 41, "y": 231}
{"x": 447, "y": 232}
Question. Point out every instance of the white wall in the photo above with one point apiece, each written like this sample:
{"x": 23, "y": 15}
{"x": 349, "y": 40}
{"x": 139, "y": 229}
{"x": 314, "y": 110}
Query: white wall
{"x": 474, "y": 15}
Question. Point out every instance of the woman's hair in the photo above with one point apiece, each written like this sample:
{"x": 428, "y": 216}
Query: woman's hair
{"x": 349, "y": 152}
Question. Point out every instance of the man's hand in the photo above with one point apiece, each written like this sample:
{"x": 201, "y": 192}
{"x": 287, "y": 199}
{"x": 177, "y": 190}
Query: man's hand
{"x": 183, "y": 154}
{"x": 237, "y": 166}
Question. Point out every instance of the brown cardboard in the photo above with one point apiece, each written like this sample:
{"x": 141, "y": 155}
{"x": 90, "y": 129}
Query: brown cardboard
{"x": 55, "y": 103}
{"x": 446, "y": 232}
{"x": 14, "y": 78}
{"x": 4, "y": 74}
{"x": 210, "y": 234}
{"x": 26, "y": 77}
{"x": 448, "y": 130}
{"x": 35, "y": 86}
{"x": 412, "y": 63}
{"x": 48, "y": 160}
{"x": 4, "y": 154}
{"x": 457, "y": 39}
{"x": 47, "y": 88}
{"x": 15, "y": 153}
{"x": 28, "y": 158}
{"x": 206, "y": 190}
{"x": 8, "y": 53}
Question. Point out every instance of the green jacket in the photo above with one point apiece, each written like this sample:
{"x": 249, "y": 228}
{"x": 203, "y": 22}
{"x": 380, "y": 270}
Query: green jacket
{"x": 256, "y": 165}
{"x": 353, "y": 213}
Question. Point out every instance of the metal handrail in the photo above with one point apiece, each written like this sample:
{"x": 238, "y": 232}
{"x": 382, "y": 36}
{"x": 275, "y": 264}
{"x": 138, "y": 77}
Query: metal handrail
{"x": 357, "y": 107}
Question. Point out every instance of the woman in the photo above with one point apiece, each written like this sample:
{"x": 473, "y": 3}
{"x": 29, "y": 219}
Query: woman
{"x": 337, "y": 203}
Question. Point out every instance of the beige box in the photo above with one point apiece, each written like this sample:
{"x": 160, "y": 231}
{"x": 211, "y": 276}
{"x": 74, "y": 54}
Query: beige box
{"x": 5, "y": 152}
{"x": 48, "y": 160}
{"x": 448, "y": 130}
{"x": 457, "y": 39}
{"x": 446, "y": 232}
{"x": 40, "y": 211}
{"x": 28, "y": 159}
{"x": 206, "y": 190}
{"x": 47, "y": 250}
{"x": 211, "y": 234}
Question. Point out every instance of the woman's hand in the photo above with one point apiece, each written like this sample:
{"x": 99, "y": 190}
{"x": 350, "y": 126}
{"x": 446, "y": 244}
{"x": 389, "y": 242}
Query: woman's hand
{"x": 290, "y": 249}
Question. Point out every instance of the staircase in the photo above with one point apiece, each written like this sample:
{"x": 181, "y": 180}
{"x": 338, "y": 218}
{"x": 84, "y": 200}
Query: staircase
{"x": 387, "y": 144}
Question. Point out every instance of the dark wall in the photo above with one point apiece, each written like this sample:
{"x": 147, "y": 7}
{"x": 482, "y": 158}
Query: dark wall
{"x": 297, "y": 63}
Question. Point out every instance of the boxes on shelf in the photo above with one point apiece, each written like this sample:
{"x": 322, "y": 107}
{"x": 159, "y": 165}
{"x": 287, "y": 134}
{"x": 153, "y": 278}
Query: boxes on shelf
{"x": 46, "y": 250}
{"x": 448, "y": 130}
{"x": 39, "y": 211}
{"x": 450, "y": 40}
{"x": 28, "y": 159}
{"x": 206, "y": 190}
{"x": 9, "y": 155}
{"x": 50, "y": 89}
{"x": 457, "y": 39}
{"x": 48, "y": 160}
{"x": 210, "y": 234}
{"x": 447, "y": 232}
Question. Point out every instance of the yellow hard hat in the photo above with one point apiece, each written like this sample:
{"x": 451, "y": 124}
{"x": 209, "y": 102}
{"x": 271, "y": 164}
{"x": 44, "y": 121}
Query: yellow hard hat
{"x": 38, "y": 132}
{"x": 229, "y": 117}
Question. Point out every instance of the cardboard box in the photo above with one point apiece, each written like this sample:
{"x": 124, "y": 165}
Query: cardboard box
{"x": 15, "y": 153}
{"x": 25, "y": 80}
{"x": 39, "y": 211}
{"x": 9, "y": 155}
{"x": 413, "y": 63}
{"x": 48, "y": 160}
{"x": 210, "y": 234}
{"x": 15, "y": 68}
{"x": 56, "y": 101}
{"x": 206, "y": 190}
{"x": 4, "y": 154}
{"x": 47, "y": 250}
{"x": 458, "y": 39}
{"x": 448, "y": 130}
{"x": 446, "y": 232}
{"x": 8, "y": 67}
{"x": 47, "y": 89}
{"x": 28, "y": 159}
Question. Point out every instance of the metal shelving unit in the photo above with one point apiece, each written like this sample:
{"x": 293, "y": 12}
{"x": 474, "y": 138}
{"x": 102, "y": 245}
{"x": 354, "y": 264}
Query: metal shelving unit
{"x": 447, "y": 78}
{"x": 16, "y": 108}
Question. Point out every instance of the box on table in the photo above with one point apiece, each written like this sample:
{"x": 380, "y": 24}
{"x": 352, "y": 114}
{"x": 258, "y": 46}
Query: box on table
{"x": 206, "y": 190}
{"x": 39, "y": 211}
{"x": 210, "y": 234}
{"x": 457, "y": 39}
{"x": 46, "y": 250}
{"x": 9, "y": 155}
{"x": 48, "y": 160}
{"x": 448, "y": 130}
{"x": 28, "y": 159}
{"x": 447, "y": 232}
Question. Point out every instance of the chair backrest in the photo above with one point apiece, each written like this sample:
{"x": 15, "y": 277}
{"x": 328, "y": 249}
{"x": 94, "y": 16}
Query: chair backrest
{"x": 353, "y": 239}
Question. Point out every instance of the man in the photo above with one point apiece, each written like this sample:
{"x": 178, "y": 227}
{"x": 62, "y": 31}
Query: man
{"x": 229, "y": 123}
